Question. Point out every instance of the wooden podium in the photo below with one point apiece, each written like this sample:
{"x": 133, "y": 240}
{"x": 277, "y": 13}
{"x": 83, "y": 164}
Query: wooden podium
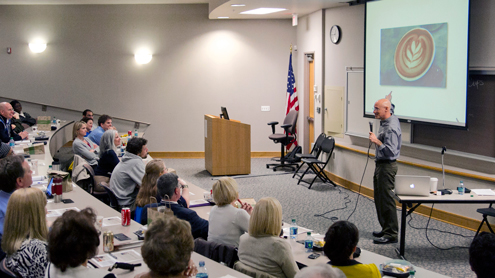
{"x": 227, "y": 147}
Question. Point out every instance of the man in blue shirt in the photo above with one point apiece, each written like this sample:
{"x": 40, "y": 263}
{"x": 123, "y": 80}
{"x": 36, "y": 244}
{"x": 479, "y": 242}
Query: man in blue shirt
{"x": 388, "y": 145}
{"x": 104, "y": 124}
{"x": 15, "y": 173}
{"x": 171, "y": 188}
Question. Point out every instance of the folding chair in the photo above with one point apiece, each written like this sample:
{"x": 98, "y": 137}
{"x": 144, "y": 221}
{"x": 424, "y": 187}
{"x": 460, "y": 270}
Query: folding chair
{"x": 315, "y": 152}
{"x": 486, "y": 212}
{"x": 318, "y": 166}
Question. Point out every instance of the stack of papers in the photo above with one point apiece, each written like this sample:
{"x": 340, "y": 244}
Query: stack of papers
{"x": 300, "y": 230}
{"x": 483, "y": 192}
{"x": 59, "y": 212}
{"x": 109, "y": 259}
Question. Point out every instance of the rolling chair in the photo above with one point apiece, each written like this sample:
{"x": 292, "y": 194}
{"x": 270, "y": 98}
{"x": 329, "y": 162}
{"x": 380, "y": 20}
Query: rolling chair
{"x": 289, "y": 127}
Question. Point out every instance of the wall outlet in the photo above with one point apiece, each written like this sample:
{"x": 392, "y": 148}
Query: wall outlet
{"x": 265, "y": 108}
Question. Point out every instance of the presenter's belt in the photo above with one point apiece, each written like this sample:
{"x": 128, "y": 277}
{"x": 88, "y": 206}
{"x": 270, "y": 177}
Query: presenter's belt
{"x": 383, "y": 161}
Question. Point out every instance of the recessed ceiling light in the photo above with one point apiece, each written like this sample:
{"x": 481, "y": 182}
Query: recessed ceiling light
{"x": 237, "y": 5}
{"x": 263, "y": 11}
{"x": 222, "y": 17}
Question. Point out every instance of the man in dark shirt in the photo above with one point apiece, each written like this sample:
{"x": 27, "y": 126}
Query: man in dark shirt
{"x": 388, "y": 145}
{"x": 6, "y": 114}
{"x": 170, "y": 189}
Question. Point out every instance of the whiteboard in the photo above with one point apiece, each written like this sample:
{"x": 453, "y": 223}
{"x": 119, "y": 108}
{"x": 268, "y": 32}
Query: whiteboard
{"x": 356, "y": 124}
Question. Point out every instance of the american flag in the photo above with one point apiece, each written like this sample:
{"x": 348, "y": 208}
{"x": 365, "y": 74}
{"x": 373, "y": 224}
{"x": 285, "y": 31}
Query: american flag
{"x": 292, "y": 102}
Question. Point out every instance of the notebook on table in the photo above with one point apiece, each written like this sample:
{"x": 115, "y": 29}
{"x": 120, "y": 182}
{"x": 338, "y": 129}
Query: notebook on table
{"x": 412, "y": 185}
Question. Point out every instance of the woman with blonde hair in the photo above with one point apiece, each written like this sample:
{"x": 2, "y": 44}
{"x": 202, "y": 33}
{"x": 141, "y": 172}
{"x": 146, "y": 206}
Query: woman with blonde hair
{"x": 262, "y": 248}
{"x": 109, "y": 142}
{"x": 227, "y": 222}
{"x": 25, "y": 234}
{"x": 82, "y": 147}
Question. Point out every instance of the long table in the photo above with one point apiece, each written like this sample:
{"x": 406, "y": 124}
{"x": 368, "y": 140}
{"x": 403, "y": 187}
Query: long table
{"x": 83, "y": 199}
{"x": 454, "y": 198}
{"x": 298, "y": 250}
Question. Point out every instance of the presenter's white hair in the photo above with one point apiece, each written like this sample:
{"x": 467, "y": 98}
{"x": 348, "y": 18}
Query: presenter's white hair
{"x": 320, "y": 271}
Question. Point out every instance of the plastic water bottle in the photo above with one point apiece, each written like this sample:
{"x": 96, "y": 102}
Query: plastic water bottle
{"x": 12, "y": 142}
{"x": 202, "y": 272}
{"x": 308, "y": 243}
{"x": 293, "y": 229}
{"x": 461, "y": 188}
{"x": 136, "y": 134}
{"x": 54, "y": 121}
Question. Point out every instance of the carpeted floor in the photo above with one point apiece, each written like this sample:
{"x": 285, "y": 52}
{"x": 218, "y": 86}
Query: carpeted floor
{"x": 310, "y": 208}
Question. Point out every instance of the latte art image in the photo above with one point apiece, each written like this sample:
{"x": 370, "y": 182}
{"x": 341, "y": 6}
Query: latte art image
{"x": 414, "y": 54}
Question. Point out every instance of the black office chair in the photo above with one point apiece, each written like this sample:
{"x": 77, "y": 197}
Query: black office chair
{"x": 489, "y": 211}
{"x": 216, "y": 251}
{"x": 114, "y": 203}
{"x": 289, "y": 127}
{"x": 315, "y": 153}
{"x": 317, "y": 165}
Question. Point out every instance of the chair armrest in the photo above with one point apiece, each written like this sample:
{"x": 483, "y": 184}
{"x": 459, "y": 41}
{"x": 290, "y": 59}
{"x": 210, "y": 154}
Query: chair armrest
{"x": 273, "y": 126}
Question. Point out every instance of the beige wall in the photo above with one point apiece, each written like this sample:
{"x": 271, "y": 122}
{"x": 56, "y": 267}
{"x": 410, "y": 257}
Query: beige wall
{"x": 309, "y": 40}
{"x": 198, "y": 65}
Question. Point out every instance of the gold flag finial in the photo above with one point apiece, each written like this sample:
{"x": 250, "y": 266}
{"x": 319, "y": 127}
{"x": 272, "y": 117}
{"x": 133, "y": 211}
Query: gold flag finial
{"x": 290, "y": 48}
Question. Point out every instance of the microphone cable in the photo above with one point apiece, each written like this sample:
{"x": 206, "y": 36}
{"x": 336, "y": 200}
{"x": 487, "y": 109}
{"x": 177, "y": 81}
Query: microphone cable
{"x": 361, "y": 182}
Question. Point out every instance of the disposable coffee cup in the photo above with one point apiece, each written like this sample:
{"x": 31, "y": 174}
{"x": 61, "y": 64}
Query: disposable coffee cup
{"x": 433, "y": 184}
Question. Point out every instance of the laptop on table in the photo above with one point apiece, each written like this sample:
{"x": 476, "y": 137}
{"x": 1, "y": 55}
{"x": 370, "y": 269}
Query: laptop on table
{"x": 412, "y": 185}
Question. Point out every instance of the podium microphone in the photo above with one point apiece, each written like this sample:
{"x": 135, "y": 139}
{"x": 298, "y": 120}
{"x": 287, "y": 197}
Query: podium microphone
{"x": 444, "y": 191}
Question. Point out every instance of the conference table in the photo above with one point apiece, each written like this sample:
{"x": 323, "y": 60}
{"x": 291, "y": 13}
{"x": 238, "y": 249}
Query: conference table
{"x": 82, "y": 199}
{"x": 454, "y": 198}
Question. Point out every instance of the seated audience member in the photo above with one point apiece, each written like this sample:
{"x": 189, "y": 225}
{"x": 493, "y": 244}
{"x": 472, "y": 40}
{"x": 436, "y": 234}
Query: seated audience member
{"x": 82, "y": 147}
{"x": 148, "y": 192}
{"x": 16, "y": 123}
{"x": 24, "y": 116}
{"x": 167, "y": 249}
{"x": 341, "y": 240}
{"x": 89, "y": 125}
{"x": 169, "y": 188}
{"x": 87, "y": 114}
{"x": 25, "y": 235}
{"x": 5, "y": 150}
{"x": 15, "y": 173}
{"x": 227, "y": 222}
{"x": 6, "y": 114}
{"x": 262, "y": 248}
{"x": 109, "y": 143}
{"x": 482, "y": 255}
{"x": 104, "y": 124}
{"x": 127, "y": 175}
{"x": 72, "y": 241}
{"x": 320, "y": 271}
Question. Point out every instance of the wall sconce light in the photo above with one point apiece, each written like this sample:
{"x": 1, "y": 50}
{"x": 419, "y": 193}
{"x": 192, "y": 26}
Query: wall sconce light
{"x": 37, "y": 47}
{"x": 142, "y": 58}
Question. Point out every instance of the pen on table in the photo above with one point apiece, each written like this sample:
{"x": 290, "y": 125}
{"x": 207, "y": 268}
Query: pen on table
{"x": 113, "y": 256}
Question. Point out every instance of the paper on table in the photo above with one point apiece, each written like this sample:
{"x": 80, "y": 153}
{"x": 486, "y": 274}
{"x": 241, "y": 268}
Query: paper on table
{"x": 111, "y": 221}
{"x": 109, "y": 259}
{"x": 59, "y": 212}
{"x": 483, "y": 192}
{"x": 198, "y": 203}
{"x": 300, "y": 230}
{"x": 228, "y": 276}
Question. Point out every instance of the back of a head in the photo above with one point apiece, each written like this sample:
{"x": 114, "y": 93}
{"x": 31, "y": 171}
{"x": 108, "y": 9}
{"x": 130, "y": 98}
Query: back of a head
{"x": 340, "y": 240}
{"x": 320, "y": 271}
{"x": 25, "y": 218}
{"x": 266, "y": 218}
{"x": 73, "y": 239}
{"x": 107, "y": 141}
{"x": 225, "y": 191}
{"x": 10, "y": 169}
{"x": 168, "y": 245}
{"x": 166, "y": 185}
{"x": 135, "y": 145}
{"x": 482, "y": 254}
{"x": 148, "y": 184}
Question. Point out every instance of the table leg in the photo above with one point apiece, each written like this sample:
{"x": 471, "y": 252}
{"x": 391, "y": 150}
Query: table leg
{"x": 402, "y": 243}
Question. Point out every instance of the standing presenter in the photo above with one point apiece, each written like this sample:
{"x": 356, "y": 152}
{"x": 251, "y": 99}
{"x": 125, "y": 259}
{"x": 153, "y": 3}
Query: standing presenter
{"x": 387, "y": 146}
